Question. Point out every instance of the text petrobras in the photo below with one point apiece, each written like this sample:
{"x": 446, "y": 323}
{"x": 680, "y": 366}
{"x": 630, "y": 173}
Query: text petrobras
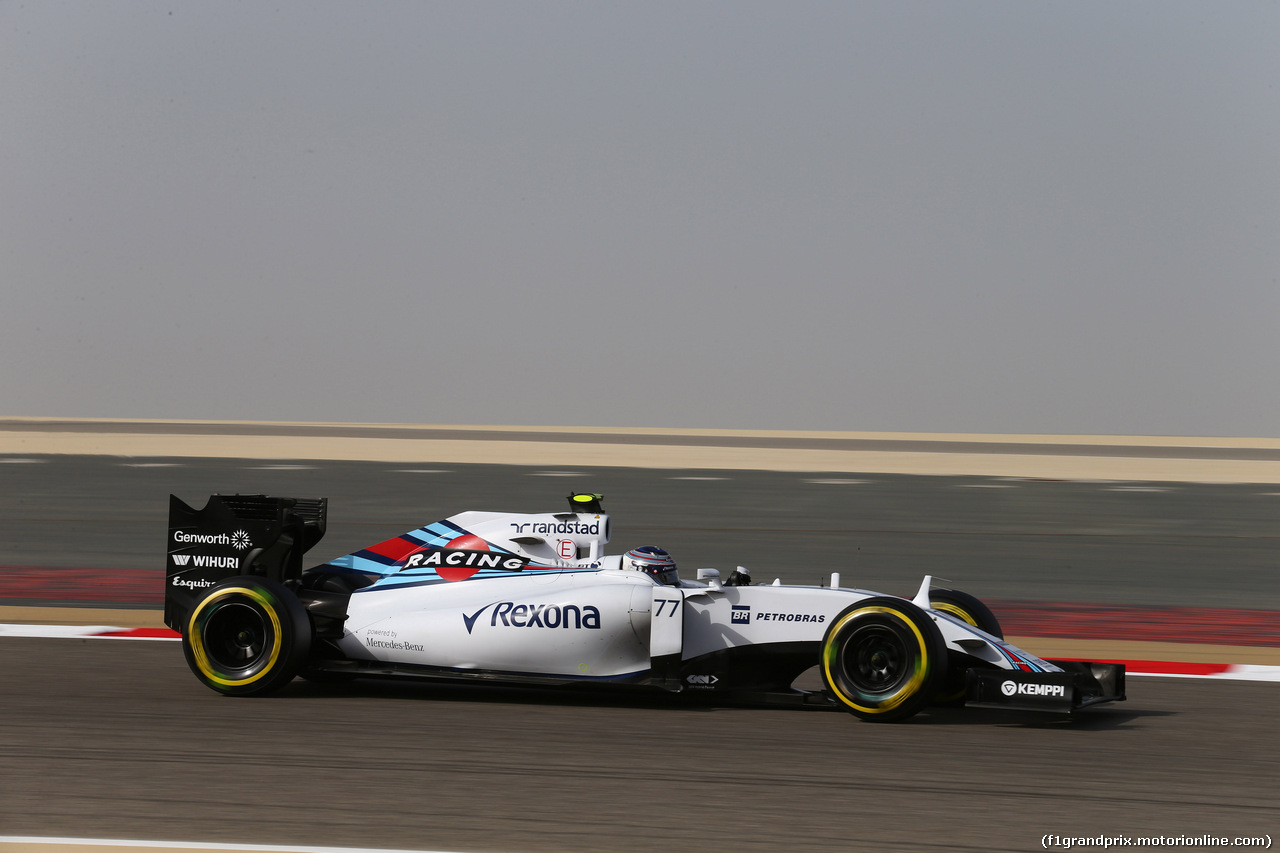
{"x": 741, "y": 615}
{"x": 791, "y": 617}
{"x": 462, "y": 557}
{"x": 513, "y": 615}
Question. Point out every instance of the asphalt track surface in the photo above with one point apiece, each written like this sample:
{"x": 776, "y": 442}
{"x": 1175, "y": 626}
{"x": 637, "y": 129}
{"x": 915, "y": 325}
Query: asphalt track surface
{"x": 109, "y": 738}
{"x": 1169, "y": 544}
{"x": 116, "y": 739}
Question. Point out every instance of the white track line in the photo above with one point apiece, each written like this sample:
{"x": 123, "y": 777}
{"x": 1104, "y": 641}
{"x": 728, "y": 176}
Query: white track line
{"x": 83, "y": 632}
{"x": 197, "y": 845}
{"x": 61, "y": 631}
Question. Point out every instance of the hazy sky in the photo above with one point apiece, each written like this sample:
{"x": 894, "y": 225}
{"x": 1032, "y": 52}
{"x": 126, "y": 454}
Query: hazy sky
{"x": 970, "y": 216}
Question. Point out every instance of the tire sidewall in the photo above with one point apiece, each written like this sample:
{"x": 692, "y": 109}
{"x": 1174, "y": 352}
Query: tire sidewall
{"x": 281, "y": 632}
{"x": 891, "y": 627}
{"x": 966, "y": 608}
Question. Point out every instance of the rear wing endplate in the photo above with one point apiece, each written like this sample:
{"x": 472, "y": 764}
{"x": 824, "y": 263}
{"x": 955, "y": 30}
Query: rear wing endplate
{"x": 235, "y": 535}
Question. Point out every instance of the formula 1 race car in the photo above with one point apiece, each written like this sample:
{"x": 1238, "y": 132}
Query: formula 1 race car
{"x": 532, "y": 599}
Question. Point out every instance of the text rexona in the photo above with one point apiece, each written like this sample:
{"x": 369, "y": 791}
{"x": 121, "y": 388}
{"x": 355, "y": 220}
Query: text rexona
{"x": 512, "y": 615}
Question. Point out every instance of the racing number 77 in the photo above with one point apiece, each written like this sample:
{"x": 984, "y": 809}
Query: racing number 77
{"x": 675, "y": 604}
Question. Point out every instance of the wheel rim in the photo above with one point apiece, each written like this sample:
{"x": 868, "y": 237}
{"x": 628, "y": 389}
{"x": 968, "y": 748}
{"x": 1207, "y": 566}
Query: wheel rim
{"x": 237, "y": 637}
{"x": 876, "y": 661}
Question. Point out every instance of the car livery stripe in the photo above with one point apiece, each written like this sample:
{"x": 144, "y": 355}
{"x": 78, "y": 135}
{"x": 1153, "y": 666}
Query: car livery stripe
{"x": 365, "y": 558}
{"x": 396, "y": 549}
{"x": 1018, "y": 662}
{"x": 385, "y": 557}
{"x": 441, "y": 532}
{"x": 388, "y": 583}
{"x": 426, "y": 576}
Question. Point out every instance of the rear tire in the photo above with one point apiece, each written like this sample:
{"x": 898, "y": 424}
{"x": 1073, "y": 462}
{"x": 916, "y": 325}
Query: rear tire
{"x": 973, "y": 612}
{"x": 246, "y": 636}
{"x": 883, "y": 659}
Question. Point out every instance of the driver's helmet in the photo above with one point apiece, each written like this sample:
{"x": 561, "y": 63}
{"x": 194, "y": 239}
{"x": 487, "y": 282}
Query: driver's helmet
{"x": 654, "y": 562}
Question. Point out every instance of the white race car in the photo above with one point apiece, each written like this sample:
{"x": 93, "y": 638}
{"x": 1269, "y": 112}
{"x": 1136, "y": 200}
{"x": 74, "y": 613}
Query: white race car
{"x": 533, "y": 599}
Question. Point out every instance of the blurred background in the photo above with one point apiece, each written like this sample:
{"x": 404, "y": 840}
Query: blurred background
{"x": 966, "y": 217}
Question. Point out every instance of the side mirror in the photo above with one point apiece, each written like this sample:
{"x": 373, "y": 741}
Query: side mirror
{"x": 711, "y": 576}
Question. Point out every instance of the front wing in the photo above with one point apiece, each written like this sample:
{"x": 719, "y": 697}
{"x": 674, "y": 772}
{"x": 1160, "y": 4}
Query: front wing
{"x": 1079, "y": 685}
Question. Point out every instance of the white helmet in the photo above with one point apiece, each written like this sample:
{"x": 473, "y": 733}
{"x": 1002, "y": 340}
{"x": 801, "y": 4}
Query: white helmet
{"x": 654, "y": 562}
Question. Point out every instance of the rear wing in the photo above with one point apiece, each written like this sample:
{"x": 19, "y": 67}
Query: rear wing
{"x": 235, "y": 535}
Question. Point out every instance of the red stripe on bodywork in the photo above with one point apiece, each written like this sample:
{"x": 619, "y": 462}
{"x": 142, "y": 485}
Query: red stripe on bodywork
{"x": 394, "y": 549}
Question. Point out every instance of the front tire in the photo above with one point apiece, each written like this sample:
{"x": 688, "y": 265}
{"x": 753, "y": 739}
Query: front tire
{"x": 883, "y": 659}
{"x": 247, "y": 636}
{"x": 973, "y": 612}
{"x": 966, "y": 608}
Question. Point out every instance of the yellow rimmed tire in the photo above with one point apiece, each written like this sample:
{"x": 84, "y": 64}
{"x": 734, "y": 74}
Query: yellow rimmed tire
{"x": 247, "y": 636}
{"x": 973, "y": 612}
{"x": 883, "y": 659}
{"x": 966, "y": 608}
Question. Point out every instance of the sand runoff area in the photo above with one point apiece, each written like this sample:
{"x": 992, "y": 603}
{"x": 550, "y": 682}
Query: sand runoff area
{"x": 1122, "y": 458}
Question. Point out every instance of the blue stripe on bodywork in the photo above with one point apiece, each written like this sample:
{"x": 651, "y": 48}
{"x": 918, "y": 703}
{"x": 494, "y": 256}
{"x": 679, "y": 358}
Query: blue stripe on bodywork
{"x": 427, "y": 576}
{"x": 435, "y": 535}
